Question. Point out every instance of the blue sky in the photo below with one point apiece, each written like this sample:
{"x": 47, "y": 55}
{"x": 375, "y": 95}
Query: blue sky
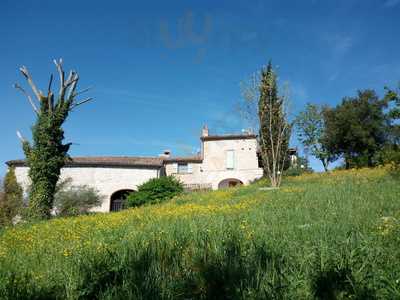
{"x": 162, "y": 69}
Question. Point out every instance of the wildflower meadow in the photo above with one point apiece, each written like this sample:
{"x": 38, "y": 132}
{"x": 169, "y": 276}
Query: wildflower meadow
{"x": 320, "y": 236}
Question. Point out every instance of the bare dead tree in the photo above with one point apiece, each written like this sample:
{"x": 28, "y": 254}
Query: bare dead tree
{"x": 248, "y": 105}
{"x": 47, "y": 154}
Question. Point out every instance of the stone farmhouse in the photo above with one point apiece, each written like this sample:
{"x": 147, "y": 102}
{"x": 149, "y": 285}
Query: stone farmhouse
{"x": 224, "y": 161}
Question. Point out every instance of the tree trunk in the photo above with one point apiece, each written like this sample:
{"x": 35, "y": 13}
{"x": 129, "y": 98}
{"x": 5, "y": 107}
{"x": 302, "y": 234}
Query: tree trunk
{"x": 347, "y": 161}
{"x": 325, "y": 164}
{"x": 370, "y": 162}
{"x": 41, "y": 199}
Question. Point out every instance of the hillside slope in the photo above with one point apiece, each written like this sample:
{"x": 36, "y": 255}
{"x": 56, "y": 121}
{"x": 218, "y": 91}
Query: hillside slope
{"x": 323, "y": 236}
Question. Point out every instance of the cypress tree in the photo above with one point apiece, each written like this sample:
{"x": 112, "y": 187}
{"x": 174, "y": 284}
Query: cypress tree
{"x": 274, "y": 131}
{"x": 11, "y": 200}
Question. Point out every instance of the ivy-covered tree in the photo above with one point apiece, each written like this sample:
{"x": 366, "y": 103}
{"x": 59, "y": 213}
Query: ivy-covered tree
{"x": 310, "y": 125}
{"x": 47, "y": 154}
{"x": 274, "y": 133}
{"x": 11, "y": 200}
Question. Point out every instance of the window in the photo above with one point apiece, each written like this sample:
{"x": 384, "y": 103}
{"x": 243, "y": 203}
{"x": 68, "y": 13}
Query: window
{"x": 184, "y": 168}
{"x": 230, "y": 159}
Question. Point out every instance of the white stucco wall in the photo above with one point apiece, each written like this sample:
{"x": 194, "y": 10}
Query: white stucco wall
{"x": 245, "y": 154}
{"x": 213, "y": 168}
{"x": 211, "y": 171}
{"x": 106, "y": 180}
{"x": 196, "y": 176}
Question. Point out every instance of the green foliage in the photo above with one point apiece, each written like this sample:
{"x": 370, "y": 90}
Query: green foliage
{"x": 47, "y": 155}
{"x": 75, "y": 200}
{"x": 45, "y": 160}
{"x": 392, "y": 97}
{"x": 11, "y": 198}
{"x": 274, "y": 131}
{"x": 390, "y": 155}
{"x": 357, "y": 128}
{"x": 155, "y": 190}
{"x": 299, "y": 168}
{"x": 320, "y": 236}
{"x": 310, "y": 125}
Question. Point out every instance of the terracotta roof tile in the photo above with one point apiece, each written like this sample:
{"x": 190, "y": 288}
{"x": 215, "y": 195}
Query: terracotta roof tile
{"x": 123, "y": 161}
{"x": 194, "y": 159}
{"x": 228, "y": 137}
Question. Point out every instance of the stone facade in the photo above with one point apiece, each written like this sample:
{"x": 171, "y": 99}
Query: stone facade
{"x": 107, "y": 180}
{"x": 213, "y": 169}
{"x": 224, "y": 161}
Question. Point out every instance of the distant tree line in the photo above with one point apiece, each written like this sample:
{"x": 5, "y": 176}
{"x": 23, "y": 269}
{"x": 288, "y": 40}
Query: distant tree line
{"x": 363, "y": 130}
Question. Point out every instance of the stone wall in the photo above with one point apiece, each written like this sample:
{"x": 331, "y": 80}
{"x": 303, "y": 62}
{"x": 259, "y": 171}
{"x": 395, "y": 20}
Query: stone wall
{"x": 213, "y": 168}
{"x": 210, "y": 172}
{"x": 107, "y": 180}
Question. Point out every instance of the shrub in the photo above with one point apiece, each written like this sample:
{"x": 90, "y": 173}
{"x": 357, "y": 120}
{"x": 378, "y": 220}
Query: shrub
{"x": 10, "y": 199}
{"x": 75, "y": 200}
{"x": 154, "y": 191}
{"x": 390, "y": 155}
{"x": 301, "y": 167}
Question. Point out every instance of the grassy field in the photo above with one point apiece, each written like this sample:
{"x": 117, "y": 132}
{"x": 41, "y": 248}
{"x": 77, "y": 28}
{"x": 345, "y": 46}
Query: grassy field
{"x": 334, "y": 236}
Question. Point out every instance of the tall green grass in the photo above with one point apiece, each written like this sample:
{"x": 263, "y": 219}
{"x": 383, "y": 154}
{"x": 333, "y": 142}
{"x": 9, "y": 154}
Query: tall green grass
{"x": 333, "y": 236}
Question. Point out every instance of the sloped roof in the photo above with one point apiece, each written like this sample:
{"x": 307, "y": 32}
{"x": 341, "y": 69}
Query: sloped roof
{"x": 105, "y": 161}
{"x": 228, "y": 137}
{"x": 194, "y": 159}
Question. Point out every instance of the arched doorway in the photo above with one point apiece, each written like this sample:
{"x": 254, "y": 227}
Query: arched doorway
{"x": 118, "y": 198}
{"x": 230, "y": 182}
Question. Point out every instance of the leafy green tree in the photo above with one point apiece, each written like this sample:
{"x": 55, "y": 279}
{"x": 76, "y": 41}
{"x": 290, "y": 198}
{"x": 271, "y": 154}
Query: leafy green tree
{"x": 48, "y": 154}
{"x": 72, "y": 200}
{"x": 155, "y": 190}
{"x": 310, "y": 125}
{"x": 392, "y": 97}
{"x": 391, "y": 153}
{"x": 274, "y": 131}
{"x": 11, "y": 198}
{"x": 357, "y": 128}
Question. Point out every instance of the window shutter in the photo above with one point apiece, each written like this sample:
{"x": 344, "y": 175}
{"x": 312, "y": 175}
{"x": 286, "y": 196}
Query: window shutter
{"x": 230, "y": 159}
{"x": 175, "y": 168}
{"x": 190, "y": 168}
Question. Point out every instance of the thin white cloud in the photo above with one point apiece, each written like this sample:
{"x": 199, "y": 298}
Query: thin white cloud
{"x": 333, "y": 76}
{"x": 175, "y": 146}
{"x": 343, "y": 44}
{"x": 280, "y": 22}
{"x": 155, "y": 99}
{"x": 299, "y": 91}
{"x": 391, "y": 3}
{"x": 340, "y": 44}
{"x": 249, "y": 36}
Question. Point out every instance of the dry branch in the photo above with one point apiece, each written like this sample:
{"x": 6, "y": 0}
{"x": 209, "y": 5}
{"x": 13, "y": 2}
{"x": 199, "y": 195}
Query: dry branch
{"x": 81, "y": 102}
{"x": 28, "y": 77}
{"x": 67, "y": 92}
{"x": 18, "y": 87}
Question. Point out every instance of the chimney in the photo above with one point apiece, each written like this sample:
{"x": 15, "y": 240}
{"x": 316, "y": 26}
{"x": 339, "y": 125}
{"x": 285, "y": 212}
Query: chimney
{"x": 247, "y": 131}
{"x": 165, "y": 154}
{"x": 204, "y": 131}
